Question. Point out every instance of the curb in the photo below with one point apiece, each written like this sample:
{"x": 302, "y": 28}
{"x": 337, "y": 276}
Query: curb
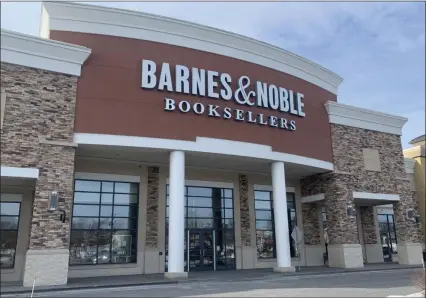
{"x": 63, "y": 289}
{"x": 299, "y": 273}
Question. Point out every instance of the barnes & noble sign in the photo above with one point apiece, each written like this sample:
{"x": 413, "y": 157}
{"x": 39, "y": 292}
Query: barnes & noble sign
{"x": 215, "y": 85}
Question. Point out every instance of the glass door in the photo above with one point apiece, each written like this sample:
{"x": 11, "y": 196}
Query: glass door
{"x": 388, "y": 236}
{"x": 201, "y": 250}
{"x": 208, "y": 210}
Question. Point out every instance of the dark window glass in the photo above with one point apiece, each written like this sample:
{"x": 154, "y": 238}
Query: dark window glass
{"x": 265, "y": 233}
{"x": 200, "y": 202}
{"x": 126, "y": 188}
{"x": 9, "y": 218}
{"x": 324, "y": 217}
{"x": 104, "y": 223}
{"x": 200, "y": 212}
{"x": 125, "y": 199}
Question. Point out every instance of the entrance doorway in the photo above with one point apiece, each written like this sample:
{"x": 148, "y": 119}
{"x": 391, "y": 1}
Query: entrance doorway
{"x": 201, "y": 248}
{"x": 388, "y": 236}
{"x": 209, "y": 228}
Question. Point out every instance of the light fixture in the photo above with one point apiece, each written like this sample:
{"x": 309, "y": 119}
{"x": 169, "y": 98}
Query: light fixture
{"x": 53, "y": 200}
{"x": 350, "y": 211}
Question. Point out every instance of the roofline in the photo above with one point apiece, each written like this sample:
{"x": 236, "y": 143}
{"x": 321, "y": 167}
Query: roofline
{"x": 85, "y": 18}
{"x": 32, "y": 51}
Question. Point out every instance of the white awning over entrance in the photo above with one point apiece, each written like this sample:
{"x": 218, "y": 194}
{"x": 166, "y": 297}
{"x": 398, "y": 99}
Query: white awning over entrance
{"x": 368, "y": 198}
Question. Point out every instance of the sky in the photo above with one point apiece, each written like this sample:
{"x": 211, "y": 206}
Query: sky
{"x": 378, "y": 48}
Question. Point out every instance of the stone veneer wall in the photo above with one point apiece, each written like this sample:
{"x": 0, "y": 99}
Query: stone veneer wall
{"x": 368, "y": 224}
{"x": 38, "y": 132}
{"x": 341, "y": 228}
{"x": 311, "y": 228}
{"x": 152, "y": 207}
{"x": 244, "y": 211}
{"x": 349, "y": 175}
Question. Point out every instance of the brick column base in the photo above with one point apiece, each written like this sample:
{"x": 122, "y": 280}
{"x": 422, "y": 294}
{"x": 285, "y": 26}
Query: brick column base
{"x": 48, "y": 267}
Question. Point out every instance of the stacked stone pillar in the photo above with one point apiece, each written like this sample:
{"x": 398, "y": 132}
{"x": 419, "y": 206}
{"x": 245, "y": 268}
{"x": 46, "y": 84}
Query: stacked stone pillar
{"x": 344, "y": 249}
{"x": 48, "y": 250}
{"x": 248, "y": 251}
{"x": 152, "y": 212}
{"x": 311, "y": 213}
{"x": 370, "y": 231}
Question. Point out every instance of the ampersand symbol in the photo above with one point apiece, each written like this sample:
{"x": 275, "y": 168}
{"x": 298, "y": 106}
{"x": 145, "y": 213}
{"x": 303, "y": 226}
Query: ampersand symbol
{"x": 241, "y": 90}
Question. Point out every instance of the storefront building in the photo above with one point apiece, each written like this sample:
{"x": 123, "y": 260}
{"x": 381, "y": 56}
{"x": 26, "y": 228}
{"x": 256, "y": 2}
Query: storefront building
{"x": 138, "y": 144}
{"x": 415, "y": 157}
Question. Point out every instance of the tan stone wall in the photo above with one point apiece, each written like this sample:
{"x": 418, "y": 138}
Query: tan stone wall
{"x": 337, "y": 190}
{"x": 244, "y": 211}
{"x": 37, "y": 132}
{"x": 311, "y": 224}
{"x": 152, "y": 207}
{"x": 368, "y": 224}
{"x": 350, "y": 174}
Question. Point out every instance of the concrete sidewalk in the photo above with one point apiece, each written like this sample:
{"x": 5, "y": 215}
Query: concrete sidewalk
{"x": 207, "y": 276}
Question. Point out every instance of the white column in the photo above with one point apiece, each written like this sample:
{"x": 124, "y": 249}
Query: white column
{"x": 176, "y": 215}
{"x": 281, "y": 219}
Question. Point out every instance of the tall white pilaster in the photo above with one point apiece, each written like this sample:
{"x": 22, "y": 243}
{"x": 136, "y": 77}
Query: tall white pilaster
{"x": 176, "y": 243}
{"x": 281, "y": 218}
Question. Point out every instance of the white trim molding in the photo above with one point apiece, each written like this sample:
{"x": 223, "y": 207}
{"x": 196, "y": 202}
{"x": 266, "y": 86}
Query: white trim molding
{"x": 409, "y": 165}
{"x": 36, "y": 52}
{"x": 204, "y": 145}
{"x": 313, "y": 198}
{"x": 203, "y": 183}
{"x": 10, "y": 197}
{"x": 375, "y": 196}
{"x": 76, "y": 17}
{"x": 362, "y": 118}
{"x": 110, "y": 177}
{"x": 269, "y": 188}
{"x": 16, "y": 172}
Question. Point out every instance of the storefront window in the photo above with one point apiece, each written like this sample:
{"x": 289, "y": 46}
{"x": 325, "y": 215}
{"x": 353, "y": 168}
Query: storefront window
{"x": 104, "y": 222}
{"x": 9, "y": 216}
{"x": 265, "y": 234}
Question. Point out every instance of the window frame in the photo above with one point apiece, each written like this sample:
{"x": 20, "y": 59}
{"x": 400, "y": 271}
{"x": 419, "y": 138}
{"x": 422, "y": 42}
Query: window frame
{"x": 289, "y": 220}
{"x": 112, "y": 231}
{"x": 16, "y": 230}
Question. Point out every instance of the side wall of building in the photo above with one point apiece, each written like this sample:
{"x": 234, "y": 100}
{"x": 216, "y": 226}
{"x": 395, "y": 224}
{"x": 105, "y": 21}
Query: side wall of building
{"x": 365, "y": 161}
{"x": 37, "y": 132}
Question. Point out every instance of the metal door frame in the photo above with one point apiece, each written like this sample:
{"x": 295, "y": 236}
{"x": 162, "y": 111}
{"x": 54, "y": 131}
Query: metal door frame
{"x": 200, "y": 232}
{"x": 389, "y": 235}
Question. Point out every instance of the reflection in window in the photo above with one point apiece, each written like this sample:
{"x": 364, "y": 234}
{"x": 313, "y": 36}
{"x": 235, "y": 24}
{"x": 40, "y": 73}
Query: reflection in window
{"x": 104, "y": 222}
{"x": 265, "y": 236}
{"x": 9, "y": 217}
